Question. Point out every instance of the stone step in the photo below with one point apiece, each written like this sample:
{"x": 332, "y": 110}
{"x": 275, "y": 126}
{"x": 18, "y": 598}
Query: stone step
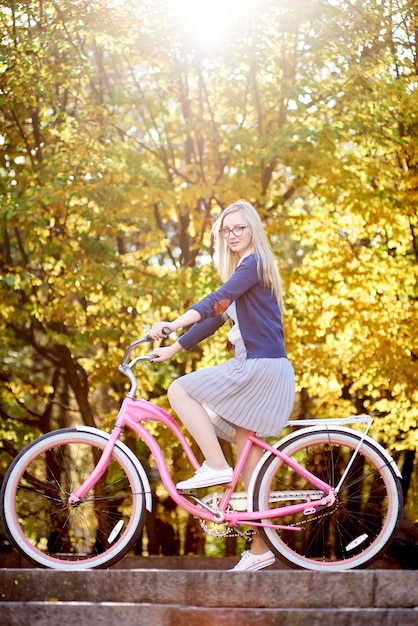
{"x": 15, "y": 560}
{"x": 211, "y": 588}
{"x": 187, "y": 597}
{"x": 133, "y": 614}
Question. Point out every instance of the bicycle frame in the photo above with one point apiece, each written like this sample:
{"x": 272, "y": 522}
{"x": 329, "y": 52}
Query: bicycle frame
{"x": 134, "y": 412}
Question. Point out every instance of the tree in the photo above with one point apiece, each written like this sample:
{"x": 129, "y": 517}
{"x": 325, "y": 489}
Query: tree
{"x": 359, "y": 226}
{"x": 133, "y": 137}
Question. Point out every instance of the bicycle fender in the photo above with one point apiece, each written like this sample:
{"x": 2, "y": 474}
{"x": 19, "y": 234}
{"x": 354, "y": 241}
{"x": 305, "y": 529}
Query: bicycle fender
{"x": 122, "y": 446}
{"x": 370, "y": 440}
{"x": 313, "y": 429}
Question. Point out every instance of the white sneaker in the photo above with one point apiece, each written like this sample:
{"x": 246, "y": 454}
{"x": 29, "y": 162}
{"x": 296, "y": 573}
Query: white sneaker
{"x": 206, "y": 477}
{"x": 253, "y": 562}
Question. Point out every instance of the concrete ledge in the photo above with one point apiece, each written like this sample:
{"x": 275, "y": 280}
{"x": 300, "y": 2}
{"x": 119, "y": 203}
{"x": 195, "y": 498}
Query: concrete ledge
{"x": 15, "y": 560}
{"x": 173, "y": 615}
{"x": 204, "y": 597}
{"x": 207, "y": 588}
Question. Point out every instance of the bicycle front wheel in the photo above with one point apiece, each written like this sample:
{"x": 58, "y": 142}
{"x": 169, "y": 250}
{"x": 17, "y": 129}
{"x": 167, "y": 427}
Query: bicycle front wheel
{"x": 352, "y": 533}
{"x": 48, "y": 530}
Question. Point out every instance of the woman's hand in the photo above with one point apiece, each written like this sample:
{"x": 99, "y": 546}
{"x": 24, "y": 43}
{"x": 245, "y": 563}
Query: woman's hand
{"x": 156, "y": 331}
{"x": 163, "y": 354}
{"x": 189, "y": 317}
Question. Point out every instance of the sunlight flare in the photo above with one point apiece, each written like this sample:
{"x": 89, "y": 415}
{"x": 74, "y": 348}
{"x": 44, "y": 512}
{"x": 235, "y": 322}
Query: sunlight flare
{"x": 208, "y": 23}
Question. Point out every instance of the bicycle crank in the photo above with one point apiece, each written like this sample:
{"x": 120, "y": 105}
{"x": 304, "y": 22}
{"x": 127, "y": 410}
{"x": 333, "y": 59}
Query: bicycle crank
{"x": 218, "y": 527}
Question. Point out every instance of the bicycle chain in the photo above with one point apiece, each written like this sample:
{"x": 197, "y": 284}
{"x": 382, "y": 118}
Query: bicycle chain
{"x": 229, "y": 532}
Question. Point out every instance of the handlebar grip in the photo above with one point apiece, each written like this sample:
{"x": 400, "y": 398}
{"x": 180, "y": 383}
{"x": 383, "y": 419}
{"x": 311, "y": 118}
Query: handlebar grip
{"x": 138, "y": 342}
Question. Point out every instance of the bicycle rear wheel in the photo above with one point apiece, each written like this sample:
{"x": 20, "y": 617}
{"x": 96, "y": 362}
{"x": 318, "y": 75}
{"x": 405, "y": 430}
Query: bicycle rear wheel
{"x": 359, "y": 526}
{"x": 49, "y": 531}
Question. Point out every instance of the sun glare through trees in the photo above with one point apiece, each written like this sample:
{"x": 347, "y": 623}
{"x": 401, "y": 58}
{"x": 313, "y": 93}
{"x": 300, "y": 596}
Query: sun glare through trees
{"x": 208, "y": 23}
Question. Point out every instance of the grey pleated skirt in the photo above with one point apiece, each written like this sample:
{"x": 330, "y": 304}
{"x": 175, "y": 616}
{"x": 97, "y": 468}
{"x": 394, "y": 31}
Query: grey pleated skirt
{"x": 256, "y": 394}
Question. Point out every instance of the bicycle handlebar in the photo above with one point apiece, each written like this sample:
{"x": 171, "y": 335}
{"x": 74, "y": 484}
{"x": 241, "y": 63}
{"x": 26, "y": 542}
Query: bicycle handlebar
{"x": 126, "y": 368}
{"x": 136, "y": 343}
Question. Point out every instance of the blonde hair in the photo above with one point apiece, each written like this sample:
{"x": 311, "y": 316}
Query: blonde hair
{"x": 226, "y": 260}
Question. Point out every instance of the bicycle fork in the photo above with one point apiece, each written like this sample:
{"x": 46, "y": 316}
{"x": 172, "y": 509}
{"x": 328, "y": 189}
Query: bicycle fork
{"x": 99, "y": 469}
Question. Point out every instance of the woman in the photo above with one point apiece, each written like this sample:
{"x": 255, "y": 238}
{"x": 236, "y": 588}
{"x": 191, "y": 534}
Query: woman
{"x": 253, "y": 391}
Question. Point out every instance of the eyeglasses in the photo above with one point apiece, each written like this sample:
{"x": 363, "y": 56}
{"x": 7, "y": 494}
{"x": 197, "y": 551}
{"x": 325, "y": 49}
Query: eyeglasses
{"x": 237, "y": 231}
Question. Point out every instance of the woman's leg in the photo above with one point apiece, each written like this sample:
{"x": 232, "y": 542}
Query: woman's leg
{"x": 199, "y": 425}
{"x": 257, "y": 544}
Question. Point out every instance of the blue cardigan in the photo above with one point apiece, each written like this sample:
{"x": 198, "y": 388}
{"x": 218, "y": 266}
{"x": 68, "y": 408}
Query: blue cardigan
{"x": 258, "y": 313}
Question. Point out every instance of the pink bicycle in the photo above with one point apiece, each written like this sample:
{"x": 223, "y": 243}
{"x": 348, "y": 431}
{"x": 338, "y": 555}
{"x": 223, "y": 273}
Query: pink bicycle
{"x": 324, "y": 497}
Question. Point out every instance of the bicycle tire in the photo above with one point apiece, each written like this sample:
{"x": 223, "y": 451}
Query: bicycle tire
{"x": 49, "y": 531}
{"x": 357, "y": 529}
